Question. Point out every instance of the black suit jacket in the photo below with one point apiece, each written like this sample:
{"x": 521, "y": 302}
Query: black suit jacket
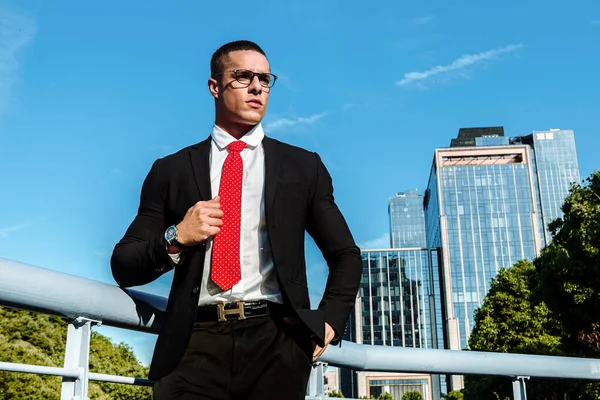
{"x": 298, "y": 198}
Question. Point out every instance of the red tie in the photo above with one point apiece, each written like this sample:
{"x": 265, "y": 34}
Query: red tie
{"x": 226, "y": 270}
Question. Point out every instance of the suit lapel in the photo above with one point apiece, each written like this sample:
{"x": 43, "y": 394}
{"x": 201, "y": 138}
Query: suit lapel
{"x": 200, "y": 160}
{"x": 272, "y": 163}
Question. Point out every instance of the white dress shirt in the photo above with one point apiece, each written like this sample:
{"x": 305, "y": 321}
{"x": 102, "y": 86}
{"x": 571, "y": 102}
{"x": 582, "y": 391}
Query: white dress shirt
{"x": 259, "y": 278}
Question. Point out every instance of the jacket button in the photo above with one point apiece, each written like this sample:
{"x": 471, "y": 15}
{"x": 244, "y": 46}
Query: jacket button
{"x": 195, "y": 290}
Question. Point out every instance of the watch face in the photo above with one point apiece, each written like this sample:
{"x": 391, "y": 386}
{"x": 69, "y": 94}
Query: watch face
{"x": 170, "y": 234}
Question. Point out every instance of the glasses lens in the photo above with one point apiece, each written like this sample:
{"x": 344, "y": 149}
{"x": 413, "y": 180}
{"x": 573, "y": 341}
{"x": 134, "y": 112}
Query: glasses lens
{"x": 266, "y": 80}
{"x": 244, "y": 76}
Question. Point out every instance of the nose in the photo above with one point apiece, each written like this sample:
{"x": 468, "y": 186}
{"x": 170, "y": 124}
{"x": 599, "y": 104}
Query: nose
{"x": 255, "y": 86}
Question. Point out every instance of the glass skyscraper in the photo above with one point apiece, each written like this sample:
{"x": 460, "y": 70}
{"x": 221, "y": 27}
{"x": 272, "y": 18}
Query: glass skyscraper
{"x": 488, "y": 201}
{"x": 396, "y": 306}
{"x": 555, "y": 167}
{"x": 393, "y": 304}
{"x": 407, "y": 220}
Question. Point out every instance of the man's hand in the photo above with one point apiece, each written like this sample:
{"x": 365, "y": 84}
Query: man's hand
{"x": 329, "y": 335}
{"x": 200, "y": 222}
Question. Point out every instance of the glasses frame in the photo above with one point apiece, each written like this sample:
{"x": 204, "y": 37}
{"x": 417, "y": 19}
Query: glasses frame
{"x": 254, "y": 74}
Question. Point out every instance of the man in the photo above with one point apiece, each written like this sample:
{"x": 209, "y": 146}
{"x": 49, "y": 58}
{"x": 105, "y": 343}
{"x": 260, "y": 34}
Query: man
{"x": 229, "y": 214}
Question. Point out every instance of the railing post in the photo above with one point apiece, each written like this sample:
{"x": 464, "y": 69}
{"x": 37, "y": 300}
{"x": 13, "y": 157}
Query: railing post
{"x": 77, "y": 355}
{"x": 519, "y": 388}
{"x": 316, "y": 385}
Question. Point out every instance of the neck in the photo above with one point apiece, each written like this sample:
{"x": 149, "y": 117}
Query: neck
{"x": 235, "y": 130}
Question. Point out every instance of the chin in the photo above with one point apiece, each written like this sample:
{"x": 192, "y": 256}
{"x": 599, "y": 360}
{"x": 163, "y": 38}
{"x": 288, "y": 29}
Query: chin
{"x": 251, "y": 118}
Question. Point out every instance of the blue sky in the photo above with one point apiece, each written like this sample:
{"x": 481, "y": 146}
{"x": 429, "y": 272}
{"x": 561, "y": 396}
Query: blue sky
{"x": 91, "y": 93}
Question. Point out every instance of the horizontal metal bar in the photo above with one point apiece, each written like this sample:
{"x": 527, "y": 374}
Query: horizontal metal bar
{"x": 71, "y": 373}
{"x": 120, "y": 379}
{"x": 51, "y": 292}
{"x": 40, "y": 369}
{"x": 434, "y": 361}
{"x": 38, "y": 289}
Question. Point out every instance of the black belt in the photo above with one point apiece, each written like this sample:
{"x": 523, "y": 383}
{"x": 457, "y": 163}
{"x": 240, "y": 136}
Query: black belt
{"x": 238, "y": 310}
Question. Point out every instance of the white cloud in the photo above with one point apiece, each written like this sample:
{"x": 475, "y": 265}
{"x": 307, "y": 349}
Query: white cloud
{"x": 423, "y": 20}
{"x": 288, "y": 123}
{"x": 382, "y": 242}
{"x": 460, "y": 63}
{"x": 9, "y": 229}
{"x": 16, "y": 30}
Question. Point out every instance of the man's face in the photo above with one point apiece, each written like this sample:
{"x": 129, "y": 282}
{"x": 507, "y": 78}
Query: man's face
{"x": 237, "y": 101}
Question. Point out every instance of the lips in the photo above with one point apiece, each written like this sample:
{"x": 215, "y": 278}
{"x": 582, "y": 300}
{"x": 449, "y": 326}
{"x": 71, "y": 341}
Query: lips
{"x": 255, "y": 103}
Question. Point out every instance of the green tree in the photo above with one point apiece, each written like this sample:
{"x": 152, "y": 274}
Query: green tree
{"x": 385, "y": 396}
{"x": 569, "y": 269}
{"x": 511, "y": 320}
{"x": 412, "y": 395}
{"x": 550, "y": 307}
{"x": 336, "y": 394}
{"x": 569, "y": 274}
{"x": 455, "y": 395}
{"x": 33, "y": 338}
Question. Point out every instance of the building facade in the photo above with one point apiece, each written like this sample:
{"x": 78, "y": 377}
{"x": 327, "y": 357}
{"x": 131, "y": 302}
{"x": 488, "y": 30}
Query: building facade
{"x": 407, "y": 220}
{"x": 331, "y": 381}
{"x": 487, "y": 205}
{"x": 555, "y": 167}
{"x": 396, "y": 306}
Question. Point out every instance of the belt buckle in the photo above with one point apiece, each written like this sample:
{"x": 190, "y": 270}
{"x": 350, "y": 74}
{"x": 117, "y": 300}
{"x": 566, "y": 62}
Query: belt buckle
{"x": 239, "y": 311}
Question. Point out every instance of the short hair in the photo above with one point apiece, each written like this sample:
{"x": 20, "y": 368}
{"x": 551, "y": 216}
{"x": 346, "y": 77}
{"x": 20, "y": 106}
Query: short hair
{"x": 218, "y": 62}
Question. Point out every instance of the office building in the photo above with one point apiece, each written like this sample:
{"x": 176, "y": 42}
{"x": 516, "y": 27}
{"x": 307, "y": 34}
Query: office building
{"x": 555, "y": 167}
{"x": 331, "y": 380}
{"x": 487, "y": 204}
{"x": 407, "y": 220}
{"x": 396, "y": 306}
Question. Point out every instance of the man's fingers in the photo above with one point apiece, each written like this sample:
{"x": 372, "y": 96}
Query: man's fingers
{"x": 213, "y": 231}
{"x": 216, "y": 205}
{"x": 213, "y": 203}
{"x": 317, "y": 352}
{"x": 214, "y": 221}
{"x": 215, "y": 213}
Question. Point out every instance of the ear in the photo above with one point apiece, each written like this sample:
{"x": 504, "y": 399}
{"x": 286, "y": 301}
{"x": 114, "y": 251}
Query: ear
{"x": 213, "y": 87}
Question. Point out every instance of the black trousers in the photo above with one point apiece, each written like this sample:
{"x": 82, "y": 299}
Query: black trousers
{"x": 255, "y": 359}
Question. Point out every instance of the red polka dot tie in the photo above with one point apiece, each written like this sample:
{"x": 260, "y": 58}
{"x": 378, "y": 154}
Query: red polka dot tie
{"x": 226, "y": 270}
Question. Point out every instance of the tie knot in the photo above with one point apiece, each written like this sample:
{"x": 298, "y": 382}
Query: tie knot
{"x": 237, "y": 146}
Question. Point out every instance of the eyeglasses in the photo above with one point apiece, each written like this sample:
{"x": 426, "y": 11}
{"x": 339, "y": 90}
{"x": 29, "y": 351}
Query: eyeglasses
{"x": 245, "y": 77}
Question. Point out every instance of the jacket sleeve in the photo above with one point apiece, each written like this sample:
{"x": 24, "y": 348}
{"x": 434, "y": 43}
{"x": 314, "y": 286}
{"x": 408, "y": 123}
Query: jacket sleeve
{"x": 328, "y": 228}
{"x": 141, "y": 256}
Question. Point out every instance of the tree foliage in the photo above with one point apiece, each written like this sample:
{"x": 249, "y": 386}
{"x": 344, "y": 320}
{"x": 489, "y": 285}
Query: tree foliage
{"x": 455, "y": 395}
{"x": 412, "y": 395}
{"x": 569, "y": 269}
{"x": 385, "y": 396}
{"x": 336, "y": 394}
{"x": 511, "y": 320}
{"x": 32, "y": 338}
{"x": 549, "y": 306}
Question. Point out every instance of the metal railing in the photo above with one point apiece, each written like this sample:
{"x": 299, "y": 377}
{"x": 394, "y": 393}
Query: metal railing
{"x": 85, "y": 303}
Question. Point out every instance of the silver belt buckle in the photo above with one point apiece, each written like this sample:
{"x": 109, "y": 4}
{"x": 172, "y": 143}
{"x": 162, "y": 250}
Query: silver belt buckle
{"x": 239, "y": 311}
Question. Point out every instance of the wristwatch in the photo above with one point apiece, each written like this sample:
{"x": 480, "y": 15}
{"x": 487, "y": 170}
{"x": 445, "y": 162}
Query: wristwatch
{"x": 171, "y": 237}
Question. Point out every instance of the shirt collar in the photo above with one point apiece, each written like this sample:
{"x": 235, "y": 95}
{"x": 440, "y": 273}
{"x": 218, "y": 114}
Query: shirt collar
{"x": 252, "y": 139}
